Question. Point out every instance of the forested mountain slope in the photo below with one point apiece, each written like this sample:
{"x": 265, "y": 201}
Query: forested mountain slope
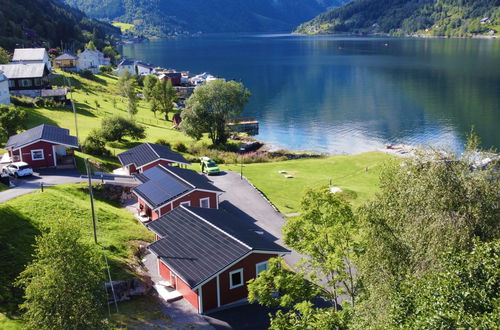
{"x": 163, "y": 17}
{"x": 48, "y": 23}
{"x": 408, "y": 17}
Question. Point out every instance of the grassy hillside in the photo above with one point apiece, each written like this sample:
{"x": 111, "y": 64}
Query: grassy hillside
{"x": 357, "y": 175}
{"x": 161, "y": 18}
{"x": 408, "y": 17}
{"x": 48, "y": 23}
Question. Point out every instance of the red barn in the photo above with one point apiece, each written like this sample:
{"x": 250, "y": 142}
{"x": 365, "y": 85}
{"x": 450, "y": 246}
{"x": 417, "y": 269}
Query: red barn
{"x": 148, "y": 155}
{"x": 209, "y": 255}
{"x": 43, "y": 146}
{"x": 164, "y": 188}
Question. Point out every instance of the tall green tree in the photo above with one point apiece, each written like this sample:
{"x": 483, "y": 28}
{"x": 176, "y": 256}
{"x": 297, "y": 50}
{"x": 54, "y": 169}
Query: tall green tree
{"x": 116, "y": 128}
{"x": 211, "y": 106}
{"x": 427, "y": 205}
{"x": 90, "y": 45}
{"x": 164, "y": 96}
{"x": 64, "y": 284}
{"x": 127, "y": 85}
{"x": 4, "y": 56}
{"x": 150, "y": 82}
{"x": 12, "y": 120}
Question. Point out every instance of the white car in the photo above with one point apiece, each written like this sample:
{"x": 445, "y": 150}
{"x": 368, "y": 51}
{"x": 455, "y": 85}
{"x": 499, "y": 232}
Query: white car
{"x": 18, "y": 169}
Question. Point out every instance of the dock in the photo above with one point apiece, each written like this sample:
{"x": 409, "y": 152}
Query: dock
{"x": 244, "y": 125}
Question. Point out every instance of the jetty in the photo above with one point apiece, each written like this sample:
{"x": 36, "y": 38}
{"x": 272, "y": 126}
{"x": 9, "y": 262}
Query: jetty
{"x": 244, "y": 125}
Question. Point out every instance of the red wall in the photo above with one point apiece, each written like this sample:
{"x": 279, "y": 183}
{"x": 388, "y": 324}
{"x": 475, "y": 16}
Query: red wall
{"x": 188, "y": 294}
{"x": 194, "y": 198}
{"x": 131, "y": 169}
{"x": 155, "y": 163}
{"x": 164, "y": 271}
{"x": 209, "y": 295}
{"x": 248, "y": 264}
{"x": 47, "y": 153}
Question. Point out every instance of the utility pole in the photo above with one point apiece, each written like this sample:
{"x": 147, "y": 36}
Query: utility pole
{"x": 74, "y": 108}
{"x": 91, "y": 191}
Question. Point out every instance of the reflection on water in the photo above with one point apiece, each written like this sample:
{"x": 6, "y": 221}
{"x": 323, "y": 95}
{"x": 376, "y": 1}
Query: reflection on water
{"x": 348, "y": 95}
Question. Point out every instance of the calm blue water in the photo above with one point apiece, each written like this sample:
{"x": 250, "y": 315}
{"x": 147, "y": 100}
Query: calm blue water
{"x": 348, "y": 95}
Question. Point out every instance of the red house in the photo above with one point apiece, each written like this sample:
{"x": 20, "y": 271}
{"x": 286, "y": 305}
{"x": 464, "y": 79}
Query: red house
{"x": 43, "y": 146}
{"x": 209, "y": 255}
{"x": 164, "y": 188}
{"x": 148, "y": 155}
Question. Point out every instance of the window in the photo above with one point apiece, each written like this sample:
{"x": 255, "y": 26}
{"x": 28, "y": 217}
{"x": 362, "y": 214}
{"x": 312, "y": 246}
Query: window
{"x": 26, "y": 82}
{"x": 188, "y": 203}
{"x": 205, "y": 202}
{"x": 37, "y": 154}
{"x": 260, "y": 267}
{"x": 12, "y": 83}
{"x": 236, "y": 278}
{"x": 38, "y": 82}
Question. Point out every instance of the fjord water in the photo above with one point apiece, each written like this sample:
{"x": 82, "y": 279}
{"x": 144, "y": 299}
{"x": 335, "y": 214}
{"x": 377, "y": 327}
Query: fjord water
{"x": 349, "y": 95}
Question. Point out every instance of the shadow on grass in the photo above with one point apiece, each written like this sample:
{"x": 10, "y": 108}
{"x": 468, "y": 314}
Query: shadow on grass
{"x": 35, "y": 118}
{"x": 17, "y": 237}
{"x": 124, "y": 144}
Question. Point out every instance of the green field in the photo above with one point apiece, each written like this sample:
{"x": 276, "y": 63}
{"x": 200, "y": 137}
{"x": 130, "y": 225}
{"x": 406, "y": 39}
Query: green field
{"x": 124, "y": 27}
{"x": 357, "y": 175}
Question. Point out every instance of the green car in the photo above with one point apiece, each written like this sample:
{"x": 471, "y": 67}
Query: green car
{"x": 209, "y": 166}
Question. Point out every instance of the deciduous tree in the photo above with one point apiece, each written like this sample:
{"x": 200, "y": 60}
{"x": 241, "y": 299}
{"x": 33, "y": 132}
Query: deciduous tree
{"x": 11, "y": 120}
{"x": 4, "y": 56}
{"x": 164, "y": 96}
{"x": 211, "y": 106}
{"x": 149, "y": 83}
{"x": 64, "y": 284}
{"x": 116, "y": 128}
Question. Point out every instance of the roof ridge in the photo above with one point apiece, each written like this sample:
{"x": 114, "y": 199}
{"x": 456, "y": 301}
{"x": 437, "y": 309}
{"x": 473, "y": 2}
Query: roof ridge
{"x": 149, "y": 145}
{"x": 216, "y": 227}
{"x": 177, "y": 176}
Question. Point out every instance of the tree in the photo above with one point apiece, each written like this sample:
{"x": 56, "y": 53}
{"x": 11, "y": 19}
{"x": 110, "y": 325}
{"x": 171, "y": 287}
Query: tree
{"x": 11, "y": 121}
{"x": 427, "y": 205}
{"x": 127, "y": 86}
{"x": 462, "y": 294}
{"x": 149, "y": 84}
{"x": 64, "y": 284}
{"x": 90, "y": 45}
{"x": 4, "y": 56}
{"x": 211, "y": 106}
{"x": 109, "y": 51}
{"x": 164, "y": 95}
{"x": 116, "y": 128}
{"x": 94, "y": 144}
{"x": 325, "y": 231}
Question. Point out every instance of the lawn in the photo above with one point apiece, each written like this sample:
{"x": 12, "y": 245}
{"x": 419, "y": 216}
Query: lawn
{"x": 357, "y": 175}
{"x": 124, "y": 27}
{"x": 25, "y": 217}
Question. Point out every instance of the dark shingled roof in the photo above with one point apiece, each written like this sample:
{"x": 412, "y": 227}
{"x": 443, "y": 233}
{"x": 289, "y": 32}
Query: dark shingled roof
{"x": 198, "y": 243}
{"x": 149, "y": 152}
{"x": 162, "y": 184}
{"x": 46, "y": 132}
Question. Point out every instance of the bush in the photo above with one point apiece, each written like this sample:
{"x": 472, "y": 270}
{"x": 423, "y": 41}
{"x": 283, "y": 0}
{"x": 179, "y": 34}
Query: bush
{"x": 95, "y": 145}
{"x": 87, "y": 74}
{"x": 47, "y": 103}
{"x": 115, "y": 128}
{"x": 163, "y": 142}
{"x": 22, "y": 101}
{"x": 179, "y": 147}
{"x": 105, "y": 68}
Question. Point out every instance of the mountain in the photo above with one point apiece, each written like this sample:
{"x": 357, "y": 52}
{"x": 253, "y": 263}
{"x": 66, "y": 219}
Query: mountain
{"x": 163, "y": 17}
{"x": 48, "y": 23}
{"x": 410, "y": 17}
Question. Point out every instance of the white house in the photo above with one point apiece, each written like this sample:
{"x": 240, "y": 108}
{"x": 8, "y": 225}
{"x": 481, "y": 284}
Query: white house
{"x": 144, "y": 68}
{"x": 91, "y": 60}
{"x": 31, "y": 55}
{"x": 4, "y": 89}
{"x": 125, "y": 65}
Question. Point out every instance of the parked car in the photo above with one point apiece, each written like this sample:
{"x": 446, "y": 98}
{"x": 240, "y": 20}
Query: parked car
{"x": 18, "y": 169}
{"x": 209, "y": 166}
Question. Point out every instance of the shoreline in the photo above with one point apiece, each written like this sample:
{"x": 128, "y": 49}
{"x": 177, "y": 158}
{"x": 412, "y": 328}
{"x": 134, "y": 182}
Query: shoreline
{"x": 387, "y": 35}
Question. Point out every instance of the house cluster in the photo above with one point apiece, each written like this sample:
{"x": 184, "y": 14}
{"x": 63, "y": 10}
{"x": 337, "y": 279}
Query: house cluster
{"x": 205, "y": 253}
{"x": 89, "y": 60}
{"x": 177, "y": 78}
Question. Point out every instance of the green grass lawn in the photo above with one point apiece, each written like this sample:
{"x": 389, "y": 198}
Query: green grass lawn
{"x": 25, "y": 217}
{"x": 7, "y": 323}
{"x": 140, "y": 313}
{"x": 124, "y": 27}
{"x": 357, "y": 175}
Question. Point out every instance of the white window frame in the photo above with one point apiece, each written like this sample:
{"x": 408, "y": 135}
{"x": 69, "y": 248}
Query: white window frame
{"x": 37, "y": 150}
{"x": 185, "y": 203}
{"x": 205, "y": 199}
{"x": 266, "y": 263}
{"x": 231, "y": 286}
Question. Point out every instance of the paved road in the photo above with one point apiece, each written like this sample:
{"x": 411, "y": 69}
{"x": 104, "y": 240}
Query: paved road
{"x": 49, "y": 177}
{"x": 242, "y": 198}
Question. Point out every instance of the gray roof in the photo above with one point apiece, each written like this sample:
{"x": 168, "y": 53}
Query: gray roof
{"x": 28, "y": 54}
{"x": 66, "y": 56}
{"x": 198, "y": 243}
{"x": 42, "y": 132}
{"x": 148, "y": 152}
{"x": 24, "y": 70}
{"x": 162, "y": 184}
{"x": 126, "y": 62}
{"x": 53, "y": 92}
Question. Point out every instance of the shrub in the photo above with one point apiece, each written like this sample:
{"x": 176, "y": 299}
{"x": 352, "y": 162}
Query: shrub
{"x": 115, "y": 128}
{"x": 163, "y": 142}
{"x": 180, "y": 147}
{"x": 95, "y": 144}
{"x": 22, "y": 101}
{"x": 87, "y": 74}
{"x": 105, "y": 68}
